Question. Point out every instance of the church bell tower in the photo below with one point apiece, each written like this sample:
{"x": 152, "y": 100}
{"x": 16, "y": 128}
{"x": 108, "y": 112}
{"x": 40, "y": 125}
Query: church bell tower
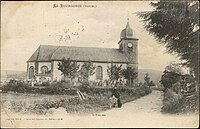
{"x": 128, "y": 42}
{"x": 128, "y": 45}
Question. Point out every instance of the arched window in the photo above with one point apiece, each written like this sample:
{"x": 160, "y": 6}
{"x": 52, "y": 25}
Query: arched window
{"x": 44, "y": 69}
{"x": 99, "y": 73}
{"x": 31, "y": 72}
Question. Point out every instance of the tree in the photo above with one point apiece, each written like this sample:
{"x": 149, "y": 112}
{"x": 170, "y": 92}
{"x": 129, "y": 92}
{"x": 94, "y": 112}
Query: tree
{"x": 175, "y": 24}
{"x": 130, "y": 74}
{"x": 147, "y": 79}
{"x": 148, "y": 82}
{"x": 68, "y": 68}
{"x": 87, "y": 69}
{"x": 174, "y": 67}
{"x": 171, "y": 75}
{"x": 114, "y": 72}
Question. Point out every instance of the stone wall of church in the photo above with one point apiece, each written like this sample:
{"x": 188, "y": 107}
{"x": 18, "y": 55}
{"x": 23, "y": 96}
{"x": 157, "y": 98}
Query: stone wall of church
{"x": 31, "y": 64}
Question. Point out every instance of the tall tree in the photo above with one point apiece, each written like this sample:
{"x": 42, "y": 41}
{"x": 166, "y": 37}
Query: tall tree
{"x": 130, "y": 74}
{"x": 87, "y": 70}
{"x": 114, "y": 72}
{"x": 68, "y": 68}
{"x": 175, "y": 24}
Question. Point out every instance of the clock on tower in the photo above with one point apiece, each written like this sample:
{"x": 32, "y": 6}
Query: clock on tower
{"x": 130, "y": 45}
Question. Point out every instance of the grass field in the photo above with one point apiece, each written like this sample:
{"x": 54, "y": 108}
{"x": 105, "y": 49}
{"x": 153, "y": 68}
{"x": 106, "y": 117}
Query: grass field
{"x": 41, "y": 103}
{"x": 19, "y": 102}
{"x": 31, "y": 97}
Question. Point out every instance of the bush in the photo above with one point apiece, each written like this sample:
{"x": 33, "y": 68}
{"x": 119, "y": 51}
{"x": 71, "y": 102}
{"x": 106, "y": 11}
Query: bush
{"x": 63, "y": 88}
{"x": 125, "y": 93}
{"x": 143, "y": 90}
{"x": 174, "y": 103}
{"x": 181, "y": 97}
{"x": 47, "y": 83}
{"x": 171, "y": 102}
{"x": 55, "y": 88}
{"x": 16, "y": 86}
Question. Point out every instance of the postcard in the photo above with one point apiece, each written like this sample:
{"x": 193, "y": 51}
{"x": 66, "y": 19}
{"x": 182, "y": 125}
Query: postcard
{"x": 98, "y": 64}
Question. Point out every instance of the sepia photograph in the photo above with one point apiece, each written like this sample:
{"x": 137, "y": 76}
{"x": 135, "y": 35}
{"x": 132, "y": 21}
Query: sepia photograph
{"x": 100, "y": 64}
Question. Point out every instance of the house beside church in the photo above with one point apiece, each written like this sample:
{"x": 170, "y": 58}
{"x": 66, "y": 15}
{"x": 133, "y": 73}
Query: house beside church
{"x": 43, "y": 64}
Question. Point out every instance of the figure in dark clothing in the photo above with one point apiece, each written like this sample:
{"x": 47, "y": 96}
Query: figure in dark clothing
{"x": 117, "y": 95}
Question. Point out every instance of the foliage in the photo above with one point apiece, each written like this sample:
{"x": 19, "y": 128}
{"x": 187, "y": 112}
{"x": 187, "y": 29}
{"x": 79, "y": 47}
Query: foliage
{"x": 16, "y": 86}
{"x": 52, "y": 89}
{"x": 174, "y": 67}
{"x": 130, "y": 74}
{"x": 147, "y": 79}
{"x": 47, "y": 83}
{"x": 169, "y": 78}
{"x": 68, "y": 68}
{"x": 171, "y": 102}
{"x": 171, "y": 75}
{"x": 176, "y": 25}
{"x": 179, "y": 92}
{"x": 175, "y": 103}
{"x": 148, "y": 82}
{"x": 87, "y": 70}
{"x": 59, "y": 88}
{"x": 114, "y": 72}
{"x": 125, "y": 93}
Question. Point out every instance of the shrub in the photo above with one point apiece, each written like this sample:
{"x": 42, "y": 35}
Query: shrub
{"x": 16, "y": 86}
{"x": 63, "y": 88}
{"x": 125, "y": 93}
{"x": 47, "y": 83}
{"x": 59, "y": 88}
{"x": 174, "y": 103}
{"x": 181, "y": 97}
{"x": 171, "y": 102}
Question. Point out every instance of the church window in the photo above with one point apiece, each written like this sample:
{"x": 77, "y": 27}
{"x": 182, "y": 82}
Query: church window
{"x": 44, "y": 69}
{"x": 99, "y": 73}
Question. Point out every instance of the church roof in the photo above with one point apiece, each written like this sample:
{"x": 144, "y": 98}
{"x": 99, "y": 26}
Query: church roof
{"x": 50, "y": 53}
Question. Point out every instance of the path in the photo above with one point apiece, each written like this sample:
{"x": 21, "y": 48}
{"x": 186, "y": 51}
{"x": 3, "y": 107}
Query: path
{"x": 143, "y": 112}
{"x": 149, "y": 104}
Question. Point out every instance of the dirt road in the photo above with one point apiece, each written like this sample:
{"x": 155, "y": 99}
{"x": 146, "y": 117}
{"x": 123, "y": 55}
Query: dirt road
{"x": 143, "y": 112}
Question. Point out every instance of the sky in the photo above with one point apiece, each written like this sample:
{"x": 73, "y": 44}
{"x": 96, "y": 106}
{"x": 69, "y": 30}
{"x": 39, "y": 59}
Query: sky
{"x": 26, "y": 25}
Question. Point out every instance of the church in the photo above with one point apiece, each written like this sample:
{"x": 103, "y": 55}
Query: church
{"x": 43, "y": 64}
